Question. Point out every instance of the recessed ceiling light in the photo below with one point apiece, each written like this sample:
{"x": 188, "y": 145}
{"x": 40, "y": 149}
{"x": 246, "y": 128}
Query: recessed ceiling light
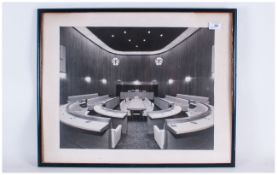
{"x": 125, "y": 32}
{"x": 170, "y": 81}
{"x": 104, "y": 81}
{"x": 129, "y": 40}
{"x": 112, "y": 36}
{"x": 136, "y": 82}
{"x": 87, "y": 79}
{"x": 144, "y": 40}
{"x": 161, "y": 35}
{"x": 137, "y": 46}
{"x": 188, "y": 79}
{"x": 148, "y": 31}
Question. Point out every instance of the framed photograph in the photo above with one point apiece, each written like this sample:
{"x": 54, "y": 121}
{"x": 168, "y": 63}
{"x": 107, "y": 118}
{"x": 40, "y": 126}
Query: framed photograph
{"x": 136, "y": 87}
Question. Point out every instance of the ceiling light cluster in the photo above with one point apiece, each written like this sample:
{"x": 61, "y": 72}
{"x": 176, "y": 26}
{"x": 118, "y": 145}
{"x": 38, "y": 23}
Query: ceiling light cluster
{"x": 123, "y": 39}
{"x": 130, "y": 40}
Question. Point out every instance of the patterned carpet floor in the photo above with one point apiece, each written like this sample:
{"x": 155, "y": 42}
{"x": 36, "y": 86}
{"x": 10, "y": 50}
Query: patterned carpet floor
{"x": 137, "y": 137}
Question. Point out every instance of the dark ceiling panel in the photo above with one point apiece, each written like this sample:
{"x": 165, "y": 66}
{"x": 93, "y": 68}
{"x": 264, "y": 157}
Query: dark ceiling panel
{"x": 136, "y": 38}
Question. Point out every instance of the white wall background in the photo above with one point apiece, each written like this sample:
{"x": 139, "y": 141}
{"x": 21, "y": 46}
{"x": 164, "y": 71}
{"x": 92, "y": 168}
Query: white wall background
{"x": 255, "y": 86}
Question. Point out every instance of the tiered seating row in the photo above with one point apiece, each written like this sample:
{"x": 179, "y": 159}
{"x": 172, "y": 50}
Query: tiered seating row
{"x": 106, "y": 109}
{"x": 200, "y": 99}
{"x": 111, "y": 103}
{"x": 99, "y": 127}
{"x": 113, "y": 122}
{"x": 74, "y": 98}
{"x": 200, "y": 119}
{"x": 183, "y": 103}
{"x": 165, "y": 113}
{"x": 168, "y": 109}
{"x": 100, "y": 109}
{"x": 162, "y": 103}
{"x": 89, "y": 123}
{"x": 73, "y": 115}
{"x": 97, "y": 100}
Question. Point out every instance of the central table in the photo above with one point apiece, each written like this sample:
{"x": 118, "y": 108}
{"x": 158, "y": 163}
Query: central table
{"x": 136, "y": 106}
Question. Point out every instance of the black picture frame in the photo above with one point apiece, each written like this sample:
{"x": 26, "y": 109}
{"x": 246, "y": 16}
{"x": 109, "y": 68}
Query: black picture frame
{"x": 40, "y": 12}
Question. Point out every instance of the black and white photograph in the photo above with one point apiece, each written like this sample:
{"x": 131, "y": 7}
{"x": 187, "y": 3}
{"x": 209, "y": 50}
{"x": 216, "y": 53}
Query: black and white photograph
{"x": 119, "y": 85}
{"x": 136, "y": 88}
{"x": 157, "y": 87}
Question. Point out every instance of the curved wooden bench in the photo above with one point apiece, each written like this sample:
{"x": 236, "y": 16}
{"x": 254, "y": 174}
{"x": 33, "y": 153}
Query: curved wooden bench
{"x": 74, "y": 98}
{"x": 158, "y": 117}
{"x": 94, "y": 101}
{"x": 196, "y": 98}
{"x": 100, "y": 109}
{"x": 95, "y": 124}
{"x": 162, "y": 103}
{"x": 75, "y": 108}
{"x": 111, "y": 103}
{"x": 165, "y": 113}
{"x": 197, "y": 127}
{"x": 183, "y": 103}
{"x": 76, "y": 127}
{"x": 201, "y": 110}
{"x": 193, "y": 124}
{"x": 118, "y": 117}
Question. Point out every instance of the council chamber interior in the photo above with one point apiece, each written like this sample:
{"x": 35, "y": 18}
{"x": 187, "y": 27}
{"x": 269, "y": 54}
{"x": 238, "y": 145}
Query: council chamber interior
{"x": 136, "y": 88}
